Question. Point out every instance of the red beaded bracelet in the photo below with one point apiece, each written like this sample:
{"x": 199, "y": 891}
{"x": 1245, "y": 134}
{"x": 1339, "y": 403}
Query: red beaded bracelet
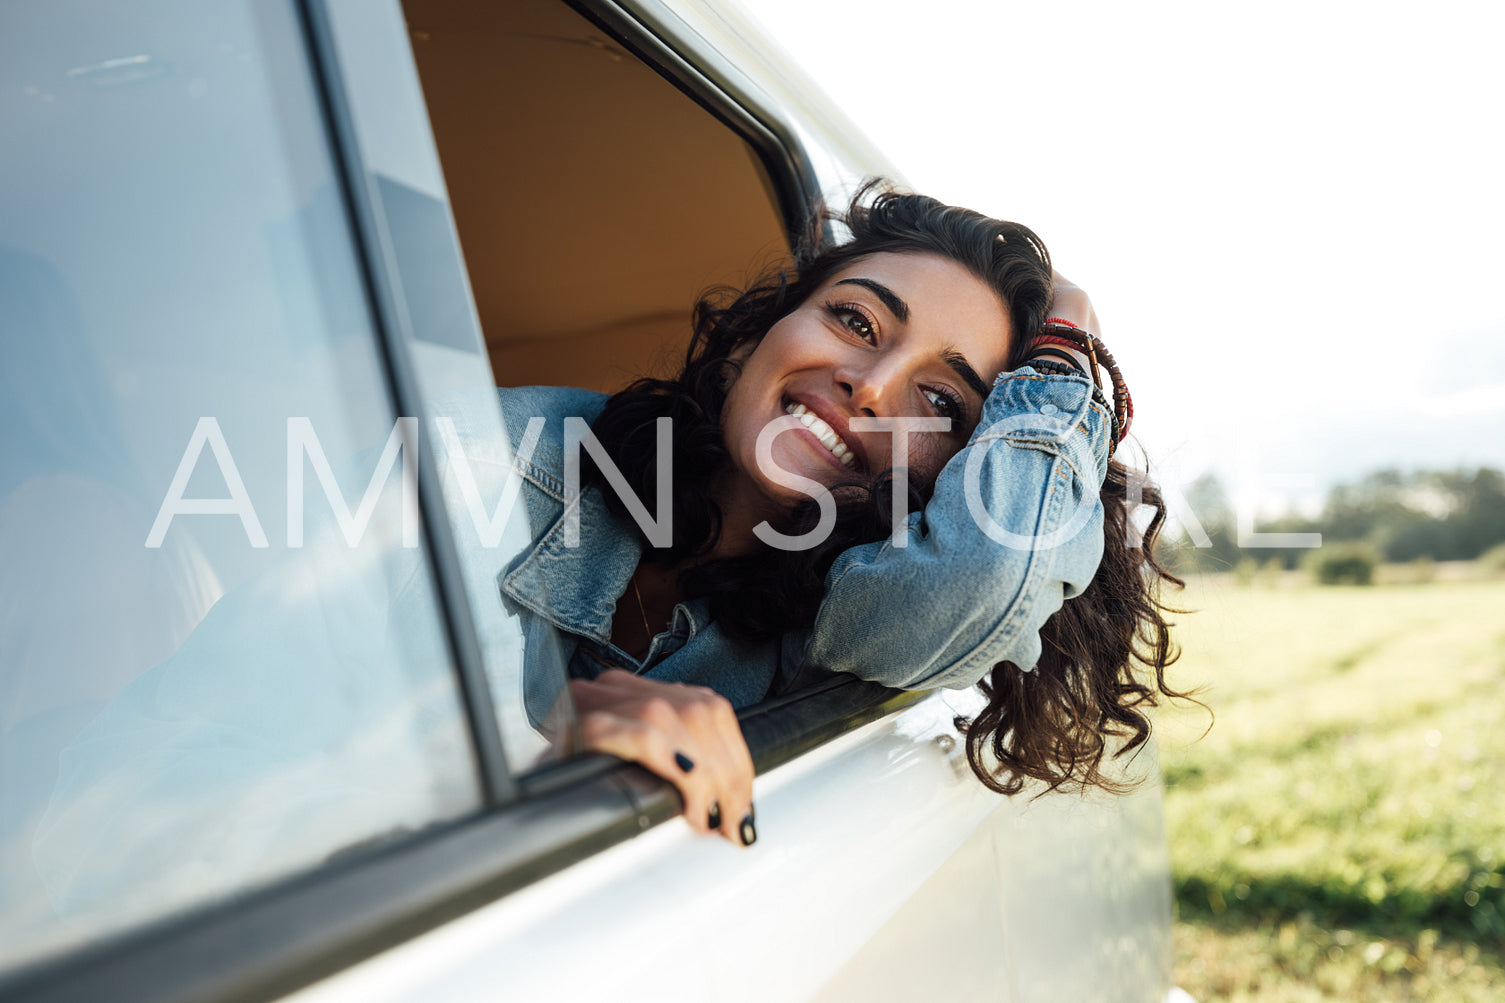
{"x": 1055, "y": 339}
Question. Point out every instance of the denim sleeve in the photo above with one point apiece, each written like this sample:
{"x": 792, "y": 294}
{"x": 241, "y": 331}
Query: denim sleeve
{"x": 1014, "y": 528}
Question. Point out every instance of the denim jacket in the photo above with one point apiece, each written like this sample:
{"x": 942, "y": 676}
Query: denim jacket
{"x": 1013, "y": 529}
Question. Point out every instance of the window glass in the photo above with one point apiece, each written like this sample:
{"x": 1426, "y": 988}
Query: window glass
{"x": 593, "y": 204}
{"x": 436, "y": 319}
{"x": 195, "y": 697}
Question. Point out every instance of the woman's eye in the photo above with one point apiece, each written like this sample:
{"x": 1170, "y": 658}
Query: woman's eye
{"x": 946, "y": 404}
{"x": 855, "y": 321}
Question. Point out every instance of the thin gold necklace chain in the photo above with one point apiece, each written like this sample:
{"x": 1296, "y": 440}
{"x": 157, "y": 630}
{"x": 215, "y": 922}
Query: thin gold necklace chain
{"x": 642, "y": 610}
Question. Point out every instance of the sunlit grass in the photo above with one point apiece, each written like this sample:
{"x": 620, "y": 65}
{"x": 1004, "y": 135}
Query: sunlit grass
{"x": 1300, "y": 961}
{"x": 1341, "y": 829}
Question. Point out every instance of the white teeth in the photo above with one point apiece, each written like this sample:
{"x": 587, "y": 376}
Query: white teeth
{"x": 823, "y": 432}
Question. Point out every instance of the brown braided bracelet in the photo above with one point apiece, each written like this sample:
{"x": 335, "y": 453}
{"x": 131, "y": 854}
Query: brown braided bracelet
{"x": 1059, "y": 332}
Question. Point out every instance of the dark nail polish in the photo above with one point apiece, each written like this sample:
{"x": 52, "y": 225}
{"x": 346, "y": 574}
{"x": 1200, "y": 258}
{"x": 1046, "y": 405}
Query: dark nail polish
{"x": 713, "y": 818}
{"x": 748, "y": 831}
{"x": 684, "y": 762}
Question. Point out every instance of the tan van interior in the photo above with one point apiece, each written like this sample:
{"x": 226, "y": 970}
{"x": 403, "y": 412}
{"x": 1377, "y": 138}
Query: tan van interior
{"x": 595, "y": 201}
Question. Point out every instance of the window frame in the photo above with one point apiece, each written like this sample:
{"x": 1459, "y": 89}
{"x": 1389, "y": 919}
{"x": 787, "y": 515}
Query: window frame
{"x": 383, "y": 280}
{"x": 648, "y": 30}
{"x": 275, "y": 940}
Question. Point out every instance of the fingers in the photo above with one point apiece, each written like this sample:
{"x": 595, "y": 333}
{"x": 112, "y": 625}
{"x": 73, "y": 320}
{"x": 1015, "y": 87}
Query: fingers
{"x": 689, "y": 735}
{"x": 630, "y": 737}
{"x": 712, "y": 725}
{"x": 1070, "y": 301}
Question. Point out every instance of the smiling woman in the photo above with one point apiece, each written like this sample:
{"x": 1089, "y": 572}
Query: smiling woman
{"x": 849, "y": 494}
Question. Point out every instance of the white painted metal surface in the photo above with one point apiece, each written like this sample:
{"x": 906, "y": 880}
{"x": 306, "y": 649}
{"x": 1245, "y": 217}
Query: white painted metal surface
{"x": 882, "y": 866}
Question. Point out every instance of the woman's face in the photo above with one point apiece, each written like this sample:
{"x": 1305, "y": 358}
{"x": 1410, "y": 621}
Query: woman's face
{"x": 891, "y": 335}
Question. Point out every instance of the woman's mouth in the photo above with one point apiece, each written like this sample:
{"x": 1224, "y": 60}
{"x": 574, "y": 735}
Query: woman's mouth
{"x": 824, "y": 433}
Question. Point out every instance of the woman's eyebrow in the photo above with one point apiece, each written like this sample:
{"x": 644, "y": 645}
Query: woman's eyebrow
{"x": 891, "y": 299}
{"x": 958, "y": 362}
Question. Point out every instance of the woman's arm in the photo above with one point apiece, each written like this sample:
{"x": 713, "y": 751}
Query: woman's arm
{"x": 1013, "y": 529}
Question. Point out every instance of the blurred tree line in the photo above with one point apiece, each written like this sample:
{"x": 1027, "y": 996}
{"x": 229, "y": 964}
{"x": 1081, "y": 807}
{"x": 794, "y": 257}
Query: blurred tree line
{"x": 1426, "y": 515}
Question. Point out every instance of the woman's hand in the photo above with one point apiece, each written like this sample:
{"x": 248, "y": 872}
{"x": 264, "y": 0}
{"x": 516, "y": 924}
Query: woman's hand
{"x": 1070, "y": 302}
{"x": 686, "y": 734}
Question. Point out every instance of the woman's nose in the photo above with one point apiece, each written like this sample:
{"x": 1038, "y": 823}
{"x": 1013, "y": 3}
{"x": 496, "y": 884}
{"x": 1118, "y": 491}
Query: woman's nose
{"x": 869, "y": 388}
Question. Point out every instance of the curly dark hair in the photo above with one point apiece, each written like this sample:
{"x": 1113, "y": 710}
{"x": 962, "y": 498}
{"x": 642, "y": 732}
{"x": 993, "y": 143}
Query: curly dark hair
{"x": 1055, "y": 724}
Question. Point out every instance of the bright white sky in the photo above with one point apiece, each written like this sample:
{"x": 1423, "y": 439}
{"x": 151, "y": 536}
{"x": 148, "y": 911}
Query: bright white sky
{"x": 1290, "y": 215}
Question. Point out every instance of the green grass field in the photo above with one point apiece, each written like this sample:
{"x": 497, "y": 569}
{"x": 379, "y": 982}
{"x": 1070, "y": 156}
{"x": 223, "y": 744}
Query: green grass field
{"x": 1339, "y": 833}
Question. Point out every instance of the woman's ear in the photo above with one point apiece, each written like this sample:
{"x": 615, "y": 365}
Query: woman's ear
{"x": 742, "y": 352}
{"x": 731, "y": 366}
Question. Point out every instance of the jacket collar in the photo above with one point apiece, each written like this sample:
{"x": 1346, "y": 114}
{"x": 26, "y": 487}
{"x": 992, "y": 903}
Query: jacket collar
{"x": 577, "y": 588}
